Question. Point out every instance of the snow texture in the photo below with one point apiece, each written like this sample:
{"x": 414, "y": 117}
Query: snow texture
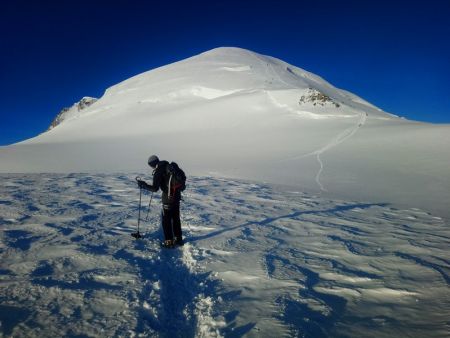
{"x": 257, "y": 262}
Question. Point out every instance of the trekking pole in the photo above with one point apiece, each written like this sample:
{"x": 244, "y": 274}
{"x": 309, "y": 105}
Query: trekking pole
{"x": 149, "y": 204}
{"x": 138, "y": 234}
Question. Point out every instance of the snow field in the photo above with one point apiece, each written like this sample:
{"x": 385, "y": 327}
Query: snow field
{"x": 258, "y": 261}
{"x": 233, "y": 113}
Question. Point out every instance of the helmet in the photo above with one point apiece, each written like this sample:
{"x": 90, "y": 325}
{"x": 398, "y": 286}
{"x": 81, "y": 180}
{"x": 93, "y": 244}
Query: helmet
{"x": 153, "y": 161}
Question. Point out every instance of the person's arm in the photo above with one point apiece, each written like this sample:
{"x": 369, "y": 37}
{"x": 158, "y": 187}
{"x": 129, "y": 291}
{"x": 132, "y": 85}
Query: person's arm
{"x": 143, "y": 185}
{"x": 157, "y": 181}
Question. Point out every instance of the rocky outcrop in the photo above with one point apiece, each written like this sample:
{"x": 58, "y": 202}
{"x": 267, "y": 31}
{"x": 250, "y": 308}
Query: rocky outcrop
{"x": 317, "y": 98}
{"x": 69, "y": 111}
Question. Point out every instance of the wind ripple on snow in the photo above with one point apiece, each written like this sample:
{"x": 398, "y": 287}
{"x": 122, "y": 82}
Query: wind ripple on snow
{"x": 258, "y": 261}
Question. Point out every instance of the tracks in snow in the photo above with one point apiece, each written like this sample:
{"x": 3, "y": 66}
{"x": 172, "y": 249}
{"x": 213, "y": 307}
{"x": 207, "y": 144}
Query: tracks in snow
{"x": 340, "y": 138}
{"x": 258, "y": 262}
{"x": 71, "y": 255}
{"x": 337, "y": 140}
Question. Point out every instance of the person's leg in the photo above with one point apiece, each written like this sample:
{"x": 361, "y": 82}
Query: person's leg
{"x": 176, "y": 222}
{"x": 166, "y": 218}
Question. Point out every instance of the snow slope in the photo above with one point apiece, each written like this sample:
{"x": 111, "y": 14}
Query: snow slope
{"x": 69, "y": 112}
{"x": 258, "y": 262}
{"x": 234, "y": 113}
{"x": 230, "y": 112}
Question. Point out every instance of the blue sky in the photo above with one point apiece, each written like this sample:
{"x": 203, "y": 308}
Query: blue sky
{"x": 395, "y": 54}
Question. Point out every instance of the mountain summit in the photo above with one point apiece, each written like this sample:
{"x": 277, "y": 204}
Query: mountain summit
{"x": 230, "y": 112}
{"x": 226, "y": 72}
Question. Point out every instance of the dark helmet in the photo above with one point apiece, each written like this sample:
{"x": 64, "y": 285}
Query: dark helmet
{"x": 153, "y": 161}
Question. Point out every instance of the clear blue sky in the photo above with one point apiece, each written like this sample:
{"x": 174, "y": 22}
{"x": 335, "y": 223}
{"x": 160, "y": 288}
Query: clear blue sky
{"x": 395, "y": 54}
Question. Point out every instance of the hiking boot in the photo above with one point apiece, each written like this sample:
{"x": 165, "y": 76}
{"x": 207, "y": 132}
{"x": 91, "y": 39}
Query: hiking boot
{"x": 179, "y": 241}
{"x": 136, "y": 235}
{"x": 168, "y": 243}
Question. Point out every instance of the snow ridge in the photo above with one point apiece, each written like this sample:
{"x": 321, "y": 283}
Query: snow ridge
{"x": 70, "y": 112}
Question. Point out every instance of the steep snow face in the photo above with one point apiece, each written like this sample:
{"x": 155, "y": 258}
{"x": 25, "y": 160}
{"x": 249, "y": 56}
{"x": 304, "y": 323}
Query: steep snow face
{"x": 231, "y": 112}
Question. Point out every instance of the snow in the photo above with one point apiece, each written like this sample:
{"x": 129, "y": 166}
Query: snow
{"x": 309, "y": 211}
{"x": 258, "y": 261}
{"x": 240, "y": 114}
{"x": 73, "y": 111}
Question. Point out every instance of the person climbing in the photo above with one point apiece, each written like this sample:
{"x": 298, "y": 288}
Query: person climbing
{"x": 172, "y": 181}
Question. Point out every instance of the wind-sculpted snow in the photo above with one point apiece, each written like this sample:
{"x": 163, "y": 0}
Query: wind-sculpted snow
{"x": 257, "y": 262}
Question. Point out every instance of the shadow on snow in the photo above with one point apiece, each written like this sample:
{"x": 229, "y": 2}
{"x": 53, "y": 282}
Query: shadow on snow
{"x": 288, "y": 216}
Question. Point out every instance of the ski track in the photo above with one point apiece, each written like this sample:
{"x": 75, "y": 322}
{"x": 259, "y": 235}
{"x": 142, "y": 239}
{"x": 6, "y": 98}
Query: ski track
{"x": 340, "y": 138}
{"x": 345, "y": 135}
{"x": 257, "y": 262}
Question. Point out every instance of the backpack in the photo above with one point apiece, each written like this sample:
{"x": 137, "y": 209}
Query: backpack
{"x": 176, "y": 180}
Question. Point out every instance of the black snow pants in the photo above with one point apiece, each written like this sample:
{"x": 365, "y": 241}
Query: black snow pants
{"x": 171, "y": 221}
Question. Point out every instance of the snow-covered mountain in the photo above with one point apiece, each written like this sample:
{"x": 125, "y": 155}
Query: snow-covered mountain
{"x": 231, "y": 112}
{"x": 345, "y": 241}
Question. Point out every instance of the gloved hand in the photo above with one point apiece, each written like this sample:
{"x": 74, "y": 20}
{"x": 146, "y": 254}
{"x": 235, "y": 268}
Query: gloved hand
{"x": 142, "y": 184}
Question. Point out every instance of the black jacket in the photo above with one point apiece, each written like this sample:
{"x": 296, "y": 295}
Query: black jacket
{"x": 161, "y": 181}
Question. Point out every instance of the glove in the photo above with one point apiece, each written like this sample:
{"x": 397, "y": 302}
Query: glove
{"x": 142, "y": 184}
